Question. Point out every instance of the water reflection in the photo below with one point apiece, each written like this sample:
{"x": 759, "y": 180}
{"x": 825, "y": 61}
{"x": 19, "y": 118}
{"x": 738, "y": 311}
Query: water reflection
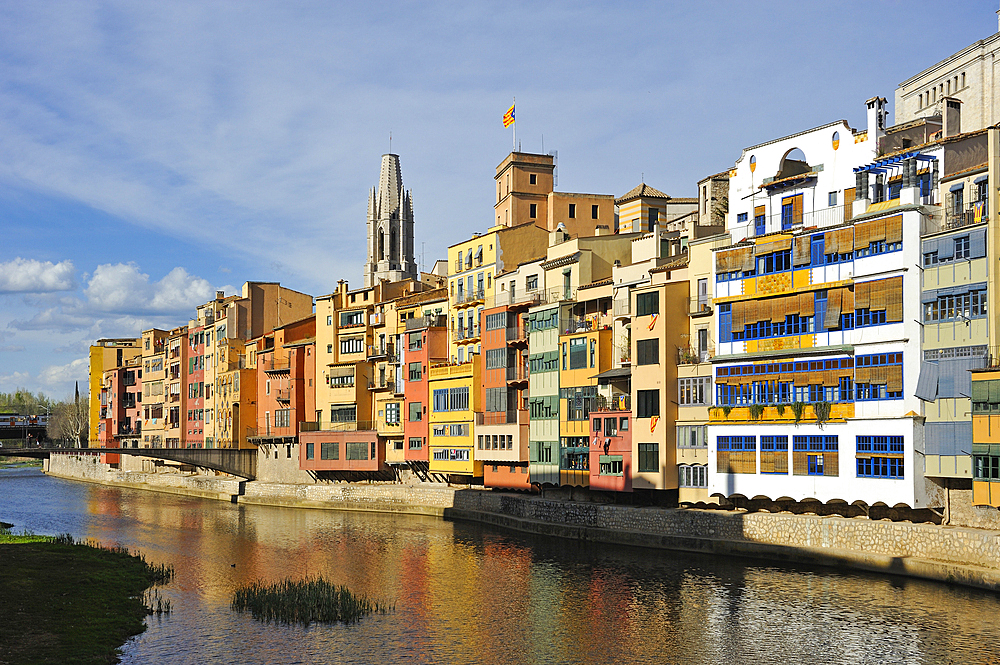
{"x": 465, "y": 594}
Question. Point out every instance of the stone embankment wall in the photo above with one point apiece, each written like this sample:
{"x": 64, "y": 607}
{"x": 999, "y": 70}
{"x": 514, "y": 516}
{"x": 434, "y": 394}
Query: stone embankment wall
{"x": 946, "y": 553}
{"x": 89, "y": 468}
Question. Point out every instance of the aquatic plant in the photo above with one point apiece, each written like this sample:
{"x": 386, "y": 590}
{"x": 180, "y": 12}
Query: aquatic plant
{"x": 305, "y": 601}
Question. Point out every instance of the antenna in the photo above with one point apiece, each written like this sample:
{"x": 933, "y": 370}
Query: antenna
{"x": 422, "y": 264}
{"x": 543, "y": 144}
{"x": 390, "y": 141}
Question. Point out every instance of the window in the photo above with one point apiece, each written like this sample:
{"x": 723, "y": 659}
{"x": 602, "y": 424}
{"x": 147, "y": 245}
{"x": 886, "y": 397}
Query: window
{"x": 610, "y": 465}
{"x": 357, "y": 450}
{"x": 695, "y": 391}
{"x": 344, "y": 414}
{"x": 647, "y": 303}
{"x": 531, "y": 283}
{"x": 392, "y": 413}
{"x": 352, "y": 345}
{"x": 329, "y": 450}
{"x": 496, "y": 321}
{"x": 648, "y": 402}
{"x": 649, "y": 457}
{"x": 416, "y": 412}
{"x": 533, "y": 180}
{"x": 593, "y": 212}
{"x": 416, "y": 341}
{"x": 962, "y": 247}
{"x": 572, "y": 211}
{"x": 578, "y": 353}
{"x": 648, "y": 351}
{"x": 416, "y": 443}
{"x": 533, "y": 210}
{"x": 282, "y": 418}
{"x": 310, "y": 450}
{"x": 692, "y": 436}
{"x": 348, "y": 319}
{"x": 496, "y": 358}
{"x": 692, "y": 475}
{"x": 741, "y": 218}
{"x": 831, "y": 199}
{"x": 451, "y": 399}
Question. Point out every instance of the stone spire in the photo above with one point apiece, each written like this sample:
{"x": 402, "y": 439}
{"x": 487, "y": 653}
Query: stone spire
{"x": 390, "y": 227}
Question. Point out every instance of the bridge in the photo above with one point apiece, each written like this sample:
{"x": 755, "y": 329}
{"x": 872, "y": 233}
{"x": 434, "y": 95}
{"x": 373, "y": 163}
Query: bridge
{"x": 240, "y": 463}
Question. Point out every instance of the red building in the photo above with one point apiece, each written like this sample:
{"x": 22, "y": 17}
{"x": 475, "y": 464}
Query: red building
{"x": 194, "y": 425}
{"x": 426, "y": 340}
{"x": 121, "y": 406}
{"x": 611, "y": 445}
{"x": 286, "y": 374}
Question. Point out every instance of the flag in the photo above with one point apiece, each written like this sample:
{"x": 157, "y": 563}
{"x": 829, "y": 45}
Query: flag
{"x": 652, "y": 322}
{"x": 652, "y": 423}
{"x": 508, "y": 117}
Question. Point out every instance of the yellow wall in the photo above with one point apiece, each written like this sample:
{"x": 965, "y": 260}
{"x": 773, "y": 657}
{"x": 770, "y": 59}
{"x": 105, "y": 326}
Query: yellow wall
{"x": 466, "y": 375}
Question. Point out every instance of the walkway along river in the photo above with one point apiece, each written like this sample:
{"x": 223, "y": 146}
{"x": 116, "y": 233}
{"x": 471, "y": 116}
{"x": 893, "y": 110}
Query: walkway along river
{"x": 465, "y": 593}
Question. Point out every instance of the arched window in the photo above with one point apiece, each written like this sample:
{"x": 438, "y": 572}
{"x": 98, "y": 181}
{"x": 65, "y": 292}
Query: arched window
{"x": 381, "y": 244}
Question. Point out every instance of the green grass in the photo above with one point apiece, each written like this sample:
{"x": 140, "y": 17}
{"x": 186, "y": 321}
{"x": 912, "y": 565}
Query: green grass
{"x": 305, "y": 602}
{"x": 63, "y": 601}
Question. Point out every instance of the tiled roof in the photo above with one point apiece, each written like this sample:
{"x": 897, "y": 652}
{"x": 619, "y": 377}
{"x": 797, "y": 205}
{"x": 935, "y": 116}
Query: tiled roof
{"x": 642, "y": 190}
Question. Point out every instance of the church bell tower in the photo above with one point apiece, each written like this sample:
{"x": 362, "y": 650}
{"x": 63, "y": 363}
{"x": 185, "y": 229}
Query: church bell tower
{"x": 390, "y": 227}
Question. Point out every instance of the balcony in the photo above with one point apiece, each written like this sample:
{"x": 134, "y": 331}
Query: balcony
{"x": 689, "y": 355}
{"x": 518, "y": 373}
{"x": 977, "y": 212}
{"x": 284, "y": 395}
{"x": 700, "y": 306}
{"x": 135, "y": 430}
{"x": 429, "y": 321}
{"x": 509, "y": 417}
{"x": 467, "y": 334}
{"x": 273, "y": 365}
{"x": 615, "y": 403}
{"x": 517, "y": 334}
{"x": 559, "y": 295}
{"x": 477, "y": 295}
{"x": 822, "y": 217}
{"x": 174, "y": 398}
{"x": 350, "y": 426}
{"x": 575, "y": 324}
{"x": 517, "y": 298}
{"x": 386, "y": 352}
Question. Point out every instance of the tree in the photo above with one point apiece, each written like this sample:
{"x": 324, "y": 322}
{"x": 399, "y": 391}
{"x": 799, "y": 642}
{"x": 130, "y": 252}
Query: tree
{"x": 70, "y": 420}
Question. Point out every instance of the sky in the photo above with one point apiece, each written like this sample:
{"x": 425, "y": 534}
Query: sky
{"x": 152, "y": 153}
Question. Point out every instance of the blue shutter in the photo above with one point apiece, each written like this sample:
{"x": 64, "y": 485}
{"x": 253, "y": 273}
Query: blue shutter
{"x": 929, "y": 295}
{"x": 929, "y": 246}
{"x": 946, "y": 248}
{"x": 977, "y": 244}
{"x": 817, "y": 249}
{"x": 927, "y": 384}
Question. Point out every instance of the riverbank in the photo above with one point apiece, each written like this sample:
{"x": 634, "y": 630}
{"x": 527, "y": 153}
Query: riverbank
{"x": 68, "y": 603}
{"x": 958, "y": 555}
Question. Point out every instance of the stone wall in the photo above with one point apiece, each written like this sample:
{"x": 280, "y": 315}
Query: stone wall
{"x": 88, "y": 467}
{"x": 427, "y": 500}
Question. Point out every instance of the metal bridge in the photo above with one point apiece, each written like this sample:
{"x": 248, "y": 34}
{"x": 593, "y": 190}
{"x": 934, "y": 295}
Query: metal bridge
{"x": 240, "y": 463}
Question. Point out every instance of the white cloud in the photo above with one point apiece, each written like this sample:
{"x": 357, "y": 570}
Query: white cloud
{"x": 61, "y": 375}
{"x": 11, "y": 348}
{"x": 122, "y": 288}
{"x": 31, "y": 276}
{"x": 54, "y": 318}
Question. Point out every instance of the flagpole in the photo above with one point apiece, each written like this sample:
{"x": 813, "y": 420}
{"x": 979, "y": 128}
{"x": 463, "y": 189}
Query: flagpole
{"x": 514, "y": 124}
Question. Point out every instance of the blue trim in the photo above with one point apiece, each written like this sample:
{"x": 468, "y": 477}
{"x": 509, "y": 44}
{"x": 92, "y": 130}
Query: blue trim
{"x": 956, "y": 188}
{"x": 877, "y": 167}
{"x": 982, "y": 178}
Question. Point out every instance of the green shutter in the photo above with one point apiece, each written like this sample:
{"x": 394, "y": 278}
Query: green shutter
{"x": 980, "y": 391}
{"x": 994, "y": 391}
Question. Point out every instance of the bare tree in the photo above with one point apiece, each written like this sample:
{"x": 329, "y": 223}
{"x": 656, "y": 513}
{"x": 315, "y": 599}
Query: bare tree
{"x": 71, "y": 420}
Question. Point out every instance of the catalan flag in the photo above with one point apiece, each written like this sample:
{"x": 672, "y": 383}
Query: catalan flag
{"x": 508, "y": 117}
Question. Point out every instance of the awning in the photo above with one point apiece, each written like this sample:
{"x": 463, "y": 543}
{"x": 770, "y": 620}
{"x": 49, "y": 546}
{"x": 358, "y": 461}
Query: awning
{"x": 982, "y": 178}
{"x": 611, "y": 374}
{"x": 957, "y": 188}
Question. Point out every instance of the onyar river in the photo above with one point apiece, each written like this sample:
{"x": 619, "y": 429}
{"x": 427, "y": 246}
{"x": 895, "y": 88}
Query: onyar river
{"x": 466, "y": 593}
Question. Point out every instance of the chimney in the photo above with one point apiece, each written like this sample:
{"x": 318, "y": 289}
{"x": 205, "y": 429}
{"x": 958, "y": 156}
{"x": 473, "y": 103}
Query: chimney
{"x": 952, "y": 112}
{"x": 601, "y": 230}
{"x": 558, "y": 236}
{"x": 876, "y": 118}
{"x": 220, "y": 295}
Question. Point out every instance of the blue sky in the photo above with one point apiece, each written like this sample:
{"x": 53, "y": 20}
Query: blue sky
{"x": 151, "y": 153}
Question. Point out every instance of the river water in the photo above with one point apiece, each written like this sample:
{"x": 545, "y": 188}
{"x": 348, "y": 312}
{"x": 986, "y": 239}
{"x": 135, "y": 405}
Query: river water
{"x": 465, "y": 593}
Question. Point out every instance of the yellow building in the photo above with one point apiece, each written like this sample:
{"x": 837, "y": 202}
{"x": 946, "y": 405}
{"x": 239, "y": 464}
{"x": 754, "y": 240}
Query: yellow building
{"x": 454, "y": 401}
{"x": 586, "y": 348}
{"x": 105, "y": 355}
{"x": 986, "y": 437}
{"x": 472, "y": 266}
{"x": 154, "y": 376}
{"x": 643, "y": 207}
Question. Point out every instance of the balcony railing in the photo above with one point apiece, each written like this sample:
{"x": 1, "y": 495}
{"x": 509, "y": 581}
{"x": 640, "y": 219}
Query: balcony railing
{"x": 429, "y": 321}
{"x": 509, "y": 417}
{"x": 578, "y": 324}
{"x": 470, "y": 296}
{"x": 175, "y": 398}
{"x": 134, "y": 430}
{"x": 977, "y": 212}
{"x": 822, "y": 217}
{"x": 689, "y": 355}
{"x": 271, "y": 364}
{"x": 517, "y": 333}
{"x": 615, "y": 403}
{"x": 284, "y": 394}
{"x": 518, "y": 373}
{"x": 386, "y": 352}
{"x": 559, "y": 295}
{"x": 467, "y": 333}
{"x": 512, "y": 298}
{"x": 700, "y": 305}
{"x": 350, "y": 426}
